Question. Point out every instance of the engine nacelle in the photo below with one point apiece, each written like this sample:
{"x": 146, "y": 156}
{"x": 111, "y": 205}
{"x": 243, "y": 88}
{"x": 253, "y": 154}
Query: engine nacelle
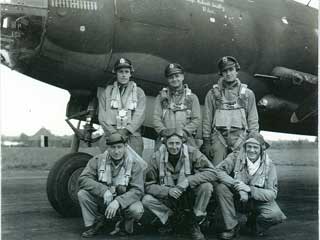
{"x": 289, "y": 77}
{"x": 272, "y": 103}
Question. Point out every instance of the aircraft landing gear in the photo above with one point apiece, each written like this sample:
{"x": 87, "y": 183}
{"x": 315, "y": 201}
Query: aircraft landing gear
{"x": 62, "y": 182}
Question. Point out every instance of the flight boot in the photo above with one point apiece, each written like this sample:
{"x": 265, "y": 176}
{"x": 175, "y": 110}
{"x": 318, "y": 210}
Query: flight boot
{"x": 94, "y": 229}
{"x": 196, "y": 233}
{"x": 230, "y": 234}
{"x": 195, "y": 229}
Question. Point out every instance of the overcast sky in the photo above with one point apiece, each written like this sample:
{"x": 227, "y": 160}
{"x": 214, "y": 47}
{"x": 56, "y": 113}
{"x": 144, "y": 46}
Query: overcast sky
{"x": 28, "y": 104}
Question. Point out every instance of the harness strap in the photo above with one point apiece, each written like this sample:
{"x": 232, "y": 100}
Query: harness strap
{"x": 240, "y": 140}
{"x": 220, "y": 137}
{"x": 187, "y": 169}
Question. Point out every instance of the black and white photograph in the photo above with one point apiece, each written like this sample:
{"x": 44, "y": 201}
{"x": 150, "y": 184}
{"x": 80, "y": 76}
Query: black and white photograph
{"x": 159, "y": 119}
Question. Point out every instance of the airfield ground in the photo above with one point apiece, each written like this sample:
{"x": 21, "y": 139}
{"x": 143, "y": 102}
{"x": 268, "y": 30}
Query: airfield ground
{"x": 27, "y": 214}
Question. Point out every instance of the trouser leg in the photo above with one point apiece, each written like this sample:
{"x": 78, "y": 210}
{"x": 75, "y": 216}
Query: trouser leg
{"x": 133, "y": 213}
{"x": 136, "y": 142}
{"x": 219, "y": 151}
{"x": 202, "y": 197}
{"x": 235, "y": 138}
{"x": 268, "y": 214}
{"x": 192, "y": 142}
{"x": 226, "y": 203}
{"x": 89, "y": 207}
{"x": 157, "y": 207}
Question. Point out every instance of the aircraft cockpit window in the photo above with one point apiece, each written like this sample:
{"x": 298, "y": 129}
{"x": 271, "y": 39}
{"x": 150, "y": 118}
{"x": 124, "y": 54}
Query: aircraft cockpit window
{"x": 20, "y": 36}
{"x": 310, "y": 3}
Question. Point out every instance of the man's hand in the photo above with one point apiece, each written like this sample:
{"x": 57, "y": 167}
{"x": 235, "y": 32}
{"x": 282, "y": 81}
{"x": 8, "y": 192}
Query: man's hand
{"x": 184, "y": 184}
{"x": 112, "y": 209}
{"x": 107, "y": 197}
{"x": 221, "y": 174}
{"x": 243, "y": 196}
{"x": 241, "y": 186}
{"x": 175, "y": 192}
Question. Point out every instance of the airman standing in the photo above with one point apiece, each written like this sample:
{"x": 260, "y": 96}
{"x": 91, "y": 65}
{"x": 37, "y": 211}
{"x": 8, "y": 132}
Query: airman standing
{"x": 122, "y": 106}
{"x": 230, "y": 113}
{"x": 176, "y": 106}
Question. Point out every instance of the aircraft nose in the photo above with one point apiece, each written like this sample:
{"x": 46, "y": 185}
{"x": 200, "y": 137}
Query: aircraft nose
{"x": 22, "y": 25}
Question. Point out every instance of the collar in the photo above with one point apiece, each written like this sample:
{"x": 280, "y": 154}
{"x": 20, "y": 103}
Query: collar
{"x": 253, "y": 167}
{"x": 224, "y": 85}
{"x": 174, "y": 91}
{"x": 174, "y": 159}
{"x": 123, "y": 85}
{"x": 118, "y": 165}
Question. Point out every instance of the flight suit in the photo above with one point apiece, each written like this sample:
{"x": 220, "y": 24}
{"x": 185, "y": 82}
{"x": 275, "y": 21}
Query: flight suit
{"x": 101, "y": 175}
{"x": 162, "y": 175}
{"x": 122, "y": 109}
{"x": 263, "y": 185}
{"x": 230, "y": 113}
{"x": 178, "y": 109}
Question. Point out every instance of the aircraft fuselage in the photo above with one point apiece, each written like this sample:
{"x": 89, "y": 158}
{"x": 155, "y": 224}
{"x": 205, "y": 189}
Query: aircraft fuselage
{"x": 74, "y": 44}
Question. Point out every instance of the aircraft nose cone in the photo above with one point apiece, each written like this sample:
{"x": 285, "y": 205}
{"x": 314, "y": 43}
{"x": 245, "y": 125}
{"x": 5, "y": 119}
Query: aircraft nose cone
{"x": 22, "y": 25}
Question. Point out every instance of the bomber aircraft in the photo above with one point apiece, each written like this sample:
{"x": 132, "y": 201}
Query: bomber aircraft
{"x": 73, "y": 44}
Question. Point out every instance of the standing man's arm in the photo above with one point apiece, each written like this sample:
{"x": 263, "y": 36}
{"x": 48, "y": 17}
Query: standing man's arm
{"x": 195, "y": 116}
{"x": 208, "y": 113}
{"x": 102, "y": 114}
{"x": 252, "y": 113}
{"x": 139, "y": 112}
{"x": 157, "y": 115}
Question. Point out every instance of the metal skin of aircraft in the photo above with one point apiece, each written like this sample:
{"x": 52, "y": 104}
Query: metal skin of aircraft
{"x": 73, "y": 44}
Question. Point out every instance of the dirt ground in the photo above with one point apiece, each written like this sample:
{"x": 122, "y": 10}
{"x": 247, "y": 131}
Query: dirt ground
{"x": 27, "y": 214}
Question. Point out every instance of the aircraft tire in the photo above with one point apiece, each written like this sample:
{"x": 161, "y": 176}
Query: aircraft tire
{"x": 62, "y": 183}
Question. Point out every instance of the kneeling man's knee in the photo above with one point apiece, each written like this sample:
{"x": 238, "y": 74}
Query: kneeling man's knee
{"x": 135, "y": 210}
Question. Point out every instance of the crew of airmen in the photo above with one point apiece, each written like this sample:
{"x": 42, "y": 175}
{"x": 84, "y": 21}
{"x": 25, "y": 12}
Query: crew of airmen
{"x": 232, "y": 165}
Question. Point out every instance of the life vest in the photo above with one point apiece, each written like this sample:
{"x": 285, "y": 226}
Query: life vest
{"x": 165, "y": 176}
{"x": 105, "y": 173}
{"x": 228, "y": 113}
{"x": 124, "y": 104}
{"x": 176, "y": 112}
{"x": 183, "y": 105}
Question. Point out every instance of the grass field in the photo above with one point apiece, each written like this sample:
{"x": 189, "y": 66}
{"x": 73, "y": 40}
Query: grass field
{"x": 44, "y": 158}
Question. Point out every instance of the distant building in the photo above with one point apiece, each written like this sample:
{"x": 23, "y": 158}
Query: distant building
{"x": 12, "y": 144}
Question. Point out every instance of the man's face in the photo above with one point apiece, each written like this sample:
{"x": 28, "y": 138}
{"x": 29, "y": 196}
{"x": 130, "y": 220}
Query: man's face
{"x": 123, "y": 75}
{"x": 117, "y": 151}
{"x": 253, "y": 151}
{"x": 174, "y": 145}
{"x": 230, "y": 74}
{"x": 176, "y": 80}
